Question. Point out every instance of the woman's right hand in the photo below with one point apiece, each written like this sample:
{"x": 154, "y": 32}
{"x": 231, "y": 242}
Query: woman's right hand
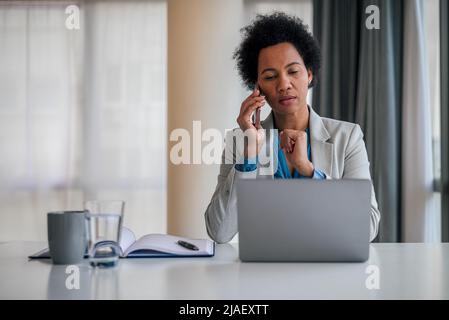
{"x": 254, "y": 131}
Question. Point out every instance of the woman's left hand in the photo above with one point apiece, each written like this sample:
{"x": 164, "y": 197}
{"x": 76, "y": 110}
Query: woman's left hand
{"x": 294, "y": 145}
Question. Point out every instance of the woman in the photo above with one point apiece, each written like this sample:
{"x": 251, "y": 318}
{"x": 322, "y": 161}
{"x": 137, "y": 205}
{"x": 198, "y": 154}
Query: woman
{"x": 279, "y": 60}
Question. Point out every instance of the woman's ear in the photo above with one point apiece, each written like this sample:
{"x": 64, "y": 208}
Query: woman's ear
{"x": 310, "y": 76}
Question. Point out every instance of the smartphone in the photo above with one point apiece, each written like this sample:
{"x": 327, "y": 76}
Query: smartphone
{"x": 254, "y": 113}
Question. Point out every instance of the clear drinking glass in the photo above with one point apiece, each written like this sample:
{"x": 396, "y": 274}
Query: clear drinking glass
{"x": 104, "y": 223}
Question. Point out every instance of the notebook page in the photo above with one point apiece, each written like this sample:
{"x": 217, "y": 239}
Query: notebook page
{"x": 168, "y": 244}
{"x": 127, "y": 238}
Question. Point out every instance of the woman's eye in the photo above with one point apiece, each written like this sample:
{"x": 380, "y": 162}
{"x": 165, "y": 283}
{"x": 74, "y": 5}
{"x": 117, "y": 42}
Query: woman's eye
{"x": 293, "y": 72}
{"x": 269, "y": 78}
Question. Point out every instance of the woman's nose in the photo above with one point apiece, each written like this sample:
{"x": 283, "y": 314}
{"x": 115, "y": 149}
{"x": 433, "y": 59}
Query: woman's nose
{"x": 284, "y": 84}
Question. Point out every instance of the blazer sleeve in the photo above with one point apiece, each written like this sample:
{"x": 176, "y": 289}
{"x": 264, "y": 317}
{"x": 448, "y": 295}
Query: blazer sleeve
{"x": 356, "y": 166}
{"x": 221, "y": 213}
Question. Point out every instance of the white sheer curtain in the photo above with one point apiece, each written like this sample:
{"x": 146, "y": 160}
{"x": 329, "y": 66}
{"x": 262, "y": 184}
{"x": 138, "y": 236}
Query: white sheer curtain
{"x": 82, "y": 113}
{"x": 431, "y": 11}
{"x": 39, "y": 69}
{"x": 417, "y": 172}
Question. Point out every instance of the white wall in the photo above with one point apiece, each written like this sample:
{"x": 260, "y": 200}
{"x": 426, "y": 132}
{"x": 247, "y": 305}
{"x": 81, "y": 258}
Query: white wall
{"x": 202, "y": 85}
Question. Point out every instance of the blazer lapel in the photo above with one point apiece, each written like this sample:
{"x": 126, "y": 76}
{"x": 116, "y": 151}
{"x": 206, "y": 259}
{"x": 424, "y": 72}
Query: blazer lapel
{"x": 322, "y": 151}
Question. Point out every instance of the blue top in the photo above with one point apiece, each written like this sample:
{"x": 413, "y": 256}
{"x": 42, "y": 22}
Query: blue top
{"x": 282, "y": 171}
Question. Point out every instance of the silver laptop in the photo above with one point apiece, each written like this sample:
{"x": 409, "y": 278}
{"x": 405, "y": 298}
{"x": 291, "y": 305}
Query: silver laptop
{"x": 303, "y": 220}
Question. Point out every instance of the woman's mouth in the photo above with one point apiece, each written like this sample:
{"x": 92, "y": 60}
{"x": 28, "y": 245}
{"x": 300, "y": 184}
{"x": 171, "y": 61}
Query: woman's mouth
{"x": 287, "y": 100}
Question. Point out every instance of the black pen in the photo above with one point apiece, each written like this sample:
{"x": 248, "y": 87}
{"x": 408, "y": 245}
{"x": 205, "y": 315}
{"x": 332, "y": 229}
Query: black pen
{"x": 187, "y": 245}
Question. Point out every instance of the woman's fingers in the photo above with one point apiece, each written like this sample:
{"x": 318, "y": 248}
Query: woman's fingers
{"x": 288, "y": 139}
{"x": 253, "y": 95}
{"x": 247, "y": 118}
{"x": 293, "y": 134}
{"x": 285, "y": 142}
{"x": 251, "y": 106}
{"x": 244, "y": 119}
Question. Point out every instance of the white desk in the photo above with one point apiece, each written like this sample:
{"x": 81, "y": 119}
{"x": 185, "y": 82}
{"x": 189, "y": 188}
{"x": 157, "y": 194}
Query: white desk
{"x": 407, "y": 271}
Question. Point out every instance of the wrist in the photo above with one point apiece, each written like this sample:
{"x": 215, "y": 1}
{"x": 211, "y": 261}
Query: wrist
{"x": 253, "y": 151}
{"x": 250, "y": 154}
{"x": 305, "y": 168}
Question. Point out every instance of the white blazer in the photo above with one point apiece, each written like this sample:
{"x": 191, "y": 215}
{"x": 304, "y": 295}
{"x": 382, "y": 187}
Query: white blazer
{"x": 337, "y": 149}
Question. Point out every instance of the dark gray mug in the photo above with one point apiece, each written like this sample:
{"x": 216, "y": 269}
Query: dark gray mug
{"x": 66, "y": 236}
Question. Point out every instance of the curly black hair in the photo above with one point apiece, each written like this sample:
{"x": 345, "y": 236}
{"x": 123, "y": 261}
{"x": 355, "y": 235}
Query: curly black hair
{"x": 269, "y": 30}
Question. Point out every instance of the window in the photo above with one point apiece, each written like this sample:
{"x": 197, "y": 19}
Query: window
{"x": 83, "y": 112}
{"x": 432, "y": 38}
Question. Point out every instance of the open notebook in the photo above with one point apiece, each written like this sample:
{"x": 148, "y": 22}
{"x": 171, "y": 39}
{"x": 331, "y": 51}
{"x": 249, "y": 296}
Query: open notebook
{"x": 153, "y": 246}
